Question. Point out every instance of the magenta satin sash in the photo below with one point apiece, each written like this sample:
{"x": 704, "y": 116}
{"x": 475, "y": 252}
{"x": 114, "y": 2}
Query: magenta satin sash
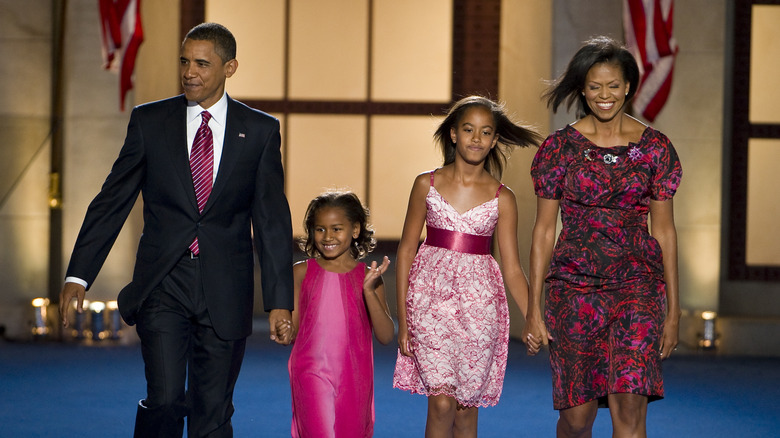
{"x": 457, "y": 241}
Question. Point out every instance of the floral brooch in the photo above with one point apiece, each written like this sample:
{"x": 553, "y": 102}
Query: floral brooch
{"x": 634, "y": 153}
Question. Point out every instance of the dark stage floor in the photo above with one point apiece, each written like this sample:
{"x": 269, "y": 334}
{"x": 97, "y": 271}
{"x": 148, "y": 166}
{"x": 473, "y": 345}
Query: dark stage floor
{"x": 50, "y": 389}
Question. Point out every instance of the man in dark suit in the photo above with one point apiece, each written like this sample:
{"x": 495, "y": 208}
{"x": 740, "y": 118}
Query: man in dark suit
{"x": 211, "y": 184}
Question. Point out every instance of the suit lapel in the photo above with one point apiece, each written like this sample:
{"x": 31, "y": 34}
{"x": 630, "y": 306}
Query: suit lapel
{"x": 235, "y": 137}
{"x": 176, "y": 139}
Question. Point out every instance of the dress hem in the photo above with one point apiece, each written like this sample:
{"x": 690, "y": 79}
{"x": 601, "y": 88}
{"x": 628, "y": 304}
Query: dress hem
{"x": 416, "y": 390}
{"x": 602, "y": 400}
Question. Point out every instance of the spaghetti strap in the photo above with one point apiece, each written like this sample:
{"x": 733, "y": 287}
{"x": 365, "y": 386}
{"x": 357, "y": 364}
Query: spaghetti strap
{"x": 432, "y": 171}
{"x": 497, "y": 191}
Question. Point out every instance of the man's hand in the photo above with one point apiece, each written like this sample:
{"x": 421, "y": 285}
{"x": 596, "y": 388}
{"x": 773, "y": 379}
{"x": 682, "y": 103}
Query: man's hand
{"x": 276, "y": 319}
{"x": 70, "y": 291}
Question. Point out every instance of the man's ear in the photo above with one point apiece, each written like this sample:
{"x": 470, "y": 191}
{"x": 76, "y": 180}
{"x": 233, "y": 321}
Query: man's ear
{"x": 231, "y": 67}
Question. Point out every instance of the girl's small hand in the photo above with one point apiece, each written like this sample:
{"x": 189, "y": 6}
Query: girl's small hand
{"x": 277, "y": 319}
{"x": 284, "y": 331}
{"x": 373, "y": 274}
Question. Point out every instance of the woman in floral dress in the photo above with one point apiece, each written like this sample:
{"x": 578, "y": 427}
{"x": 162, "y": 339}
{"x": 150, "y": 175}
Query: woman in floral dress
{"x": 612, "y": 309}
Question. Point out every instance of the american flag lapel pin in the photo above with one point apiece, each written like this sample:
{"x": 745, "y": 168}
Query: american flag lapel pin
{"x": 241, "y": 135}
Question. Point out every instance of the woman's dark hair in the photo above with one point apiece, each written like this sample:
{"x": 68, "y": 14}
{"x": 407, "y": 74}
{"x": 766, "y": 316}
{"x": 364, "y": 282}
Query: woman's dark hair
{"x": 353, "y": 209}
{"x": 510, "y": 134}
{"x": 224, "y": 42}
{"x": 597, "y": 50}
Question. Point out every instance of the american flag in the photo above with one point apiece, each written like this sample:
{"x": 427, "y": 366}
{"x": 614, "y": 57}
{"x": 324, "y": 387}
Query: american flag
{"x": 648, "y": 28}
{"x": 120, "y": 24}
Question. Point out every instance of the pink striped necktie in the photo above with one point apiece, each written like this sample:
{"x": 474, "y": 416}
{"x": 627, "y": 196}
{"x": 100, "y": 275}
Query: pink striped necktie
{"x": 202, "y": 166}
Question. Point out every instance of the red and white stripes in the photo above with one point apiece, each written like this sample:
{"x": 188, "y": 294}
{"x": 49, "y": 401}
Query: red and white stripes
{"x": 648, "y": 30}
{"x": 202, "y": 161}
{"x": 122, "y": 34}
{"x": 202, "y": 167}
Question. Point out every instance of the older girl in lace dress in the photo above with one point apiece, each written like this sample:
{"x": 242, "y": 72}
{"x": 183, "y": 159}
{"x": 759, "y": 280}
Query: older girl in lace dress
{"x": 452, "y": 308}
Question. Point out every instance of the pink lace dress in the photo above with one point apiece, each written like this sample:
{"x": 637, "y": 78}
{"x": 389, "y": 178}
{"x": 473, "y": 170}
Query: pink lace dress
{"x": 331, "y": 365}
{"x": 456, "y": 308}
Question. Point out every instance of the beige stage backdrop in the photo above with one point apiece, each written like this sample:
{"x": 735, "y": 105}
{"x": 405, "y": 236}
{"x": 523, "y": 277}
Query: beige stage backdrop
{"x": 326, "y": 59}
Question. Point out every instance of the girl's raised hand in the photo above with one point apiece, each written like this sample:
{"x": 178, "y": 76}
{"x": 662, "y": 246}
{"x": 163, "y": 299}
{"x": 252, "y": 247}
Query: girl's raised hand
{"x": 376, "y": 303}
{"x": 373, "y": 274}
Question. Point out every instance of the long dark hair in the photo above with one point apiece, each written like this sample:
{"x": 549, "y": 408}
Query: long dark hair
{"x": 353, "y": 209}
{"x": 597, "y": 50}
{"x": 510, "y": 134}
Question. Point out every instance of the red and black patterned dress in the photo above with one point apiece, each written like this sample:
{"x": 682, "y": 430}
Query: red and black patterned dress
{"x": 606, "y": 296}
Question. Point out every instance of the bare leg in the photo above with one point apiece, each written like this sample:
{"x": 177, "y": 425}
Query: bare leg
{"x": 441, "y": 416}
{"x": 577, "y": 422}
{"x": 629, "y": 415}
{"x": 465, "y": 422}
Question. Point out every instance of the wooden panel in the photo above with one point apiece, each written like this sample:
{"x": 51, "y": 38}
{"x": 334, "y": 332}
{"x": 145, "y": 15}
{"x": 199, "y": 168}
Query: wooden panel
{"x": 324, "y": 152}
{"x": 475, "y": 48}
{"x": 328, "y": 50}
{"x": 736, "y": 152}
{"x": 764, "y": 64}
{"x": 762, "y": 227}
{"x": 259, "y": 28}
{"x": 401, "y": 148}
{"x": 411, "y": 53}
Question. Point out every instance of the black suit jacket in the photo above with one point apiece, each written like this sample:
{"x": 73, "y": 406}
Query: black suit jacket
{"x": 248, "y": 195}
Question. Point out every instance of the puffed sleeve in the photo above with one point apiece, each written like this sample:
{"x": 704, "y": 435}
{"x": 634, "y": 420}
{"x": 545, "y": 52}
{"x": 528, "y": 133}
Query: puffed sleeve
{"x": 667, "y": 171}
{"x": 548, "y": 169}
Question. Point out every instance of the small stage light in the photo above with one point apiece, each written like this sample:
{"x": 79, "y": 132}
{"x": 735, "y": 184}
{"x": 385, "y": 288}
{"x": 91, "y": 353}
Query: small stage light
{"x": 40, "y": 323}
{"x": 79, "y": 321}
{"x": 708, "y": 340}
{"x": 97, "y": 314}
{"x": 115, "y": 319}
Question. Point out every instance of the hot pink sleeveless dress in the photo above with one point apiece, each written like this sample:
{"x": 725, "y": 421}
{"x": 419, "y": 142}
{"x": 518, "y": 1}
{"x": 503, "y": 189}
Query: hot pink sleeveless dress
{"x": 331, "y": 365}
{"x": 456, "y": 308}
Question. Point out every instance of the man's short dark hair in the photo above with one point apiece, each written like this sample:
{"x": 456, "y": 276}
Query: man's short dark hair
{"x": 224, "y": 42}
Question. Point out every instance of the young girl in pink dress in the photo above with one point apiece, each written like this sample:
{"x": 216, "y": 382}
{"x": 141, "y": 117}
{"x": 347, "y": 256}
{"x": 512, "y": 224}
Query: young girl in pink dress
{"x": 338, "y": 302}
{"x": 453, "y": 320}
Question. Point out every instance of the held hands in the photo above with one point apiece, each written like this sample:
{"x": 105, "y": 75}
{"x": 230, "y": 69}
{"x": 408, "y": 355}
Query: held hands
{"x": 282, "y": 330}
{"x": 534, "y": 334}
{"x": 285, "y": 333}
{"x": 70, "y": 291}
